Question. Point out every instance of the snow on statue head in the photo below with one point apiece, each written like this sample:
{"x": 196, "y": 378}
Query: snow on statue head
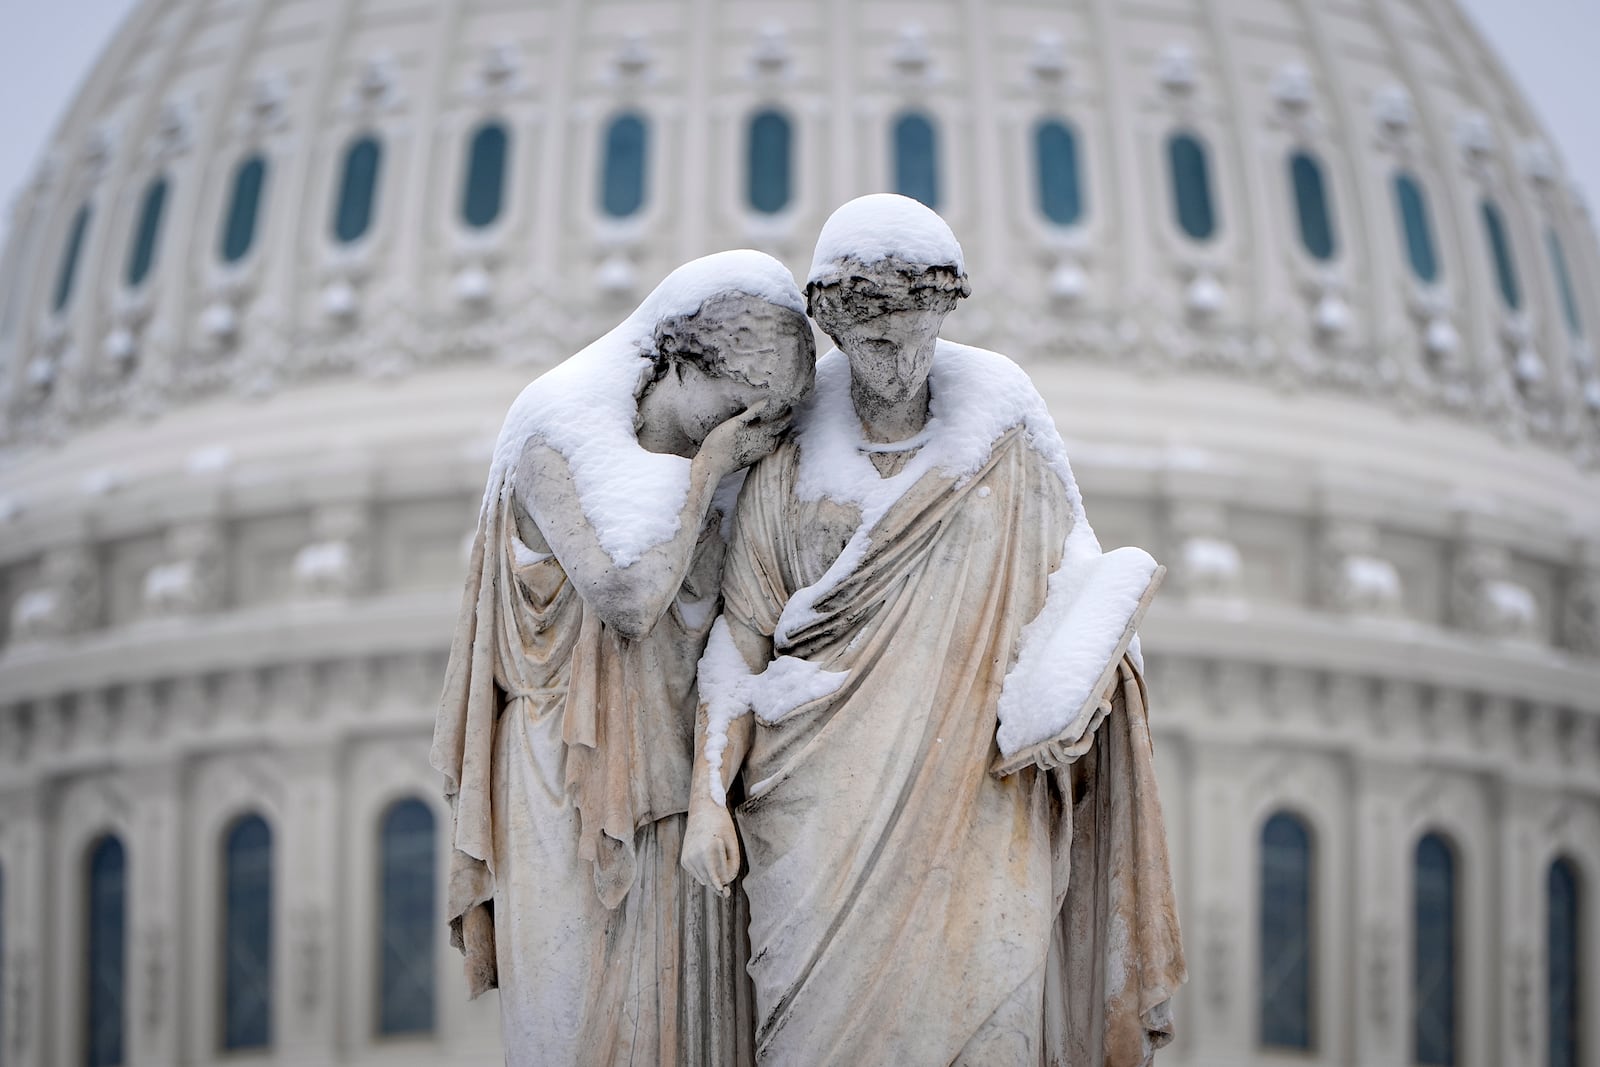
{"x": 881, "y": 254}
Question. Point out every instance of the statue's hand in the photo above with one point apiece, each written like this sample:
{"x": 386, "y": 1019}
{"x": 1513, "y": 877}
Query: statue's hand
{"x": 711, "y": 847}
{"x": 748, "y": 436}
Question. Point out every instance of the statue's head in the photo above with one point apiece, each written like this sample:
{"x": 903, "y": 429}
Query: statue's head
{"x": 887, "y": 271}
{"x": 737, "y": 350}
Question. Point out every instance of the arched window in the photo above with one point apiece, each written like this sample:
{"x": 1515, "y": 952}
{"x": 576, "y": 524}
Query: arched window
{"x": 247, "y": 935}
{"x": 1412, "y": 204}
{"x": 107, "y": 972}
{"x": 1505, "y": 269}
{"x": 244, "y": 204}
{"x": 147, "y": 232}
{"x": 622, "y": 174}
{"x": 1561, "y": 892}
{"x": 69, "y": 259}
{"x": 484, "y": 192}
{"x": 1311, "y": 205}
{"x": 407, "y": 920}
{"x": 1191, "y": 186}
{"x": 771, "y": 139}
{"x": 916, "y": 158}
{"x": 1433, "y": 961}
{"x": 1055, "y": 151}
{"x": 358, "y": 189}
{"x": 1286, "y": 865}
{"x": 1569, "y": 296}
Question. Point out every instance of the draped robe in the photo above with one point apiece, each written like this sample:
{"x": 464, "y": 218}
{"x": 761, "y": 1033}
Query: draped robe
{"x": 567, "y": 756}
{"x": 905, "y": 906}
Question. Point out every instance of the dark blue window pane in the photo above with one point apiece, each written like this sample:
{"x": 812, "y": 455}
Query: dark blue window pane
{"x": 358, "y": 187}
{"x": 1191, "y": 186}
{"x": 1286, "y": 933}
{"x": 771, "y": 138}
{"x": 69, "y": 259}
{"x": 1569, "y": 297}
{"x": 108, "y": 917}
{"x": 408, "y": 920}
{"x": 239, "y": 225}
{"x": 247, "y": 935}
{"x": 622, "y": 173}
{"x": 3, "y": 985}
{"x": 1060, "y": 192}
{"x": 1311, "y": 205}
{"x": 486, "y": 175}
{"x": 1413, "y": 207}
{"x": 1433, "y": 992}
{"x": 1563, "y": 951}
{"x": 147, "y": 232}
{"x": 1505, "y": 270}
{"x": 916, "y": 159}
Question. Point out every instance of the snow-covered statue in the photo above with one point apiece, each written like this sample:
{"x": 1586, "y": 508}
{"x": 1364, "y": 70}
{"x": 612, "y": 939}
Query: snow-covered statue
{"x": 945, "y": 792}
{"x": 567, "y": 720}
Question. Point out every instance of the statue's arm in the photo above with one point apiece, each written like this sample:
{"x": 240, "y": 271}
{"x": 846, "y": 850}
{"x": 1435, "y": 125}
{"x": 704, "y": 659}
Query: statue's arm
{"x": 628, "y": 599}
{"x": 711, "y": 843}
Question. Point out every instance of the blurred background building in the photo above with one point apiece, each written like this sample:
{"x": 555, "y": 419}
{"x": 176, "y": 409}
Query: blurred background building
{"x": 1304, "y": 283}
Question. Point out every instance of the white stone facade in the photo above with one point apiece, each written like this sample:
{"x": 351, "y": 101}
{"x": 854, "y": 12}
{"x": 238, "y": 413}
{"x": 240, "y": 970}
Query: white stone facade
{"x": 233, "y": 496}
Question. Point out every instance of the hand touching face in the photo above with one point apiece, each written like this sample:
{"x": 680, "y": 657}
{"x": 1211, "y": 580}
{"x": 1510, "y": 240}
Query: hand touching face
{"x": 739, "y": 360}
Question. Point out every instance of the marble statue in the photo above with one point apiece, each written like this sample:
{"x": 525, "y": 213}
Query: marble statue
{"x": 565, "y": 729}
{"x": 944, "y": 864}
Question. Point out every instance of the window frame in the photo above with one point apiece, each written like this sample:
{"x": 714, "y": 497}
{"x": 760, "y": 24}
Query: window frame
{"x": 504, "y": 173}
{"x": 91, "y": 984}
{"x": 144, "y": 246}
{"x": 386, "y": 813}
{"x": 901, "y": 162}
{"x": 226, "y": 1041}
{"x": 259, "y": 163}
{"x": 69, "y": 261}
{"x": 1077, "y": 200}
{"x": 636, "y": 204}
{"x": 1181, "y": 139}
{"x": 1454, "y": 946}
{"x": 1312, "y": 201}
{"x": 345, "y": 203}
{"x": 1422, "y": 237}
{"x": 753, "y": 122}
{"x": 1308, "y": 876}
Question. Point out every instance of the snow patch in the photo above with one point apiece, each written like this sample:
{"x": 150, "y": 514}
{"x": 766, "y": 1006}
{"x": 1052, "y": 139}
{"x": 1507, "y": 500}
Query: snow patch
{"x": 885, "y": 226}
{"x": 584, "y": 408}
{"x": 729, "y": 690}
{"x": 1065, "y": 650}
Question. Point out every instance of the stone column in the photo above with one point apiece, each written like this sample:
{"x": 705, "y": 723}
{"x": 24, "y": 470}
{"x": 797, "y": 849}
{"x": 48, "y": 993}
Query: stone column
{"x": 1380, "y": 1010}
{"x": 27, "y": 897}
{"x": 155, "y": 997}
{"x": 1220, "y": 1011}
{"x": 307, "y": 985}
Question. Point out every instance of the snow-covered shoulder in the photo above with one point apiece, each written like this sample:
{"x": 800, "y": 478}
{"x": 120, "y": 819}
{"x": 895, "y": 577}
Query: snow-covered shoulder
{"x": 883, "y": 226}
{"x": 584, "y": 408}
{"x": 975, "y": 397}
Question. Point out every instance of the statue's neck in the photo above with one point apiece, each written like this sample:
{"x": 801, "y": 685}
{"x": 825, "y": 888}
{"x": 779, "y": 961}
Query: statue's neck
{"x": 888, "y": 420}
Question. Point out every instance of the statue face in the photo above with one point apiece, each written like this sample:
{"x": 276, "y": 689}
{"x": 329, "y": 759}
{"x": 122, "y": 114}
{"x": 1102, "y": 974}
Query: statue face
{"x": 890, "y": 350}
{"x": 748, "y": 353}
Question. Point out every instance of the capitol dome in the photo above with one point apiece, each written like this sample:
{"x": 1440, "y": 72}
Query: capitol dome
{"x": 1304, "y": 284}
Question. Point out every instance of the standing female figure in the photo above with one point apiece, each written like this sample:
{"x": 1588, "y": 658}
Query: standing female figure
{"x": 566, "y": 726}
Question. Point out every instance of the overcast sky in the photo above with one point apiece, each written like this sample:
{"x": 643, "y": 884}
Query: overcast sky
{"x": 46, "y": 48}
